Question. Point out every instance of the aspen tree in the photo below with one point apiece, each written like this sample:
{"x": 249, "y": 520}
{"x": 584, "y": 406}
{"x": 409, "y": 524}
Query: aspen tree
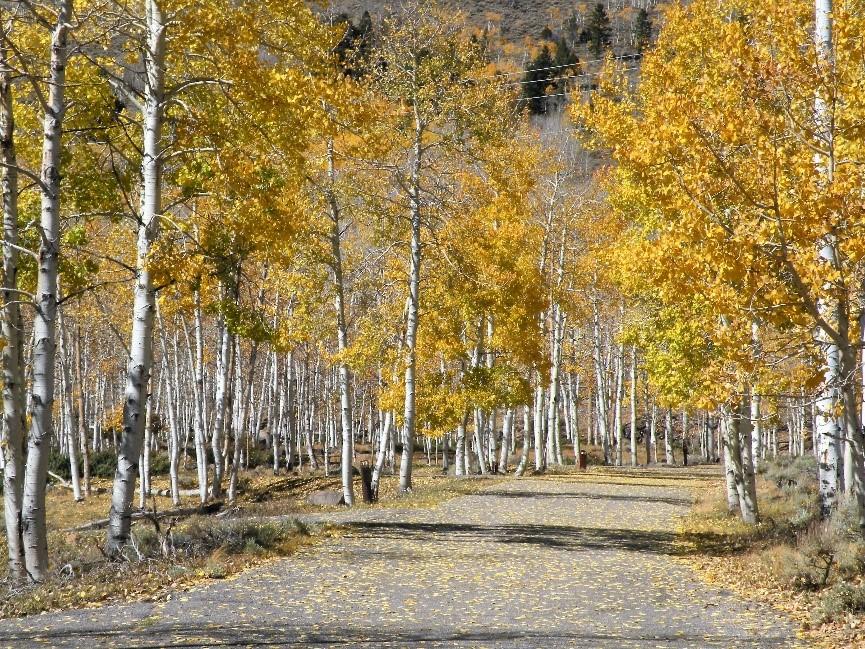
{"x": 34, "y": 530}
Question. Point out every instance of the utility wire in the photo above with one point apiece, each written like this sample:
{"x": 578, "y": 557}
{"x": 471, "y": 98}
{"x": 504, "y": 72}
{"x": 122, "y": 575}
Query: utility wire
{"x": 624, "y": 57}
{"x": 570, "y": 92}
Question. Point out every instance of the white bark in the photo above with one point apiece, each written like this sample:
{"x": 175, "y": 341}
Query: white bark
{"x": 223, "y": 369}
{"x": 668, "y": 437}
{"x": 507, "y": 431}
{"x": 527, "y": 435}
{"x": 413, "y": 315}
{"x": 538, "y": 427}
{"x": 619, "y": 396}
{"x": 634, "y": 405}
{"x": 13, "y": 368}
{"x": 45, "y": 323}
{"x": 600, "y": 382}
{"x": 144, "y": 301}
{"x": 749, "y": 508}
{"x": 460, "y": 451}
{"x": 171, "y": 407}
{"x": 342, "y": 339}
{"x": 555, "y": 383}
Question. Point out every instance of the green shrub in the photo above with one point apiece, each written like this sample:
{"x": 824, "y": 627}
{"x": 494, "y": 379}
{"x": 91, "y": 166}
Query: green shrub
{"x": 842, "y": 598}
{"x": 103, "y": 464}
{"x": 147, "y": 541}
{"x": 201, "y": 535}
{"x": 792, "y": 473}
{"x": 792, "y": 567}
{"x": 259, "y": 457}
{"x": 58, "y": 464}
{"x": 160, "y": 464}
{"x": 215, "y": 568}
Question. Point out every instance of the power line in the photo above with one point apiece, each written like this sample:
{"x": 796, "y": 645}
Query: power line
{"x": 623, "y": 57}
{"x": 569, "y": 92}
{"x": 554, "y": 79}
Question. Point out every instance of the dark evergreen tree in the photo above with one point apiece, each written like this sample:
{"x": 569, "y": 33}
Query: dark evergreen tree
{"x": 564, "y": 54}
{"x": 642, "y": 31}
{"x": 354, "y": 47}
{"x": 536, "y": 80}
{"x": 598, "y": 30}
{"x": 572, "y": 28}
{"x": 547, "y": 34}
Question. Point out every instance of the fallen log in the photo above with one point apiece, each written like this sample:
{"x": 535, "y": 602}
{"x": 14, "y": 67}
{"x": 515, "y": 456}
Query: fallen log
{"x": 180, "y": 492}
{"x": 209, "y": 508}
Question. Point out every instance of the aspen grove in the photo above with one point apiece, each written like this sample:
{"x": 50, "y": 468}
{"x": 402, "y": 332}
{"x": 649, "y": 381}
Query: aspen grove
{"x": 255, "y": 233}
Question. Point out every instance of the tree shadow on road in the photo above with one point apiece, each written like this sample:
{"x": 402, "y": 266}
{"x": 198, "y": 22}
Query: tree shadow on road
{"x": 550, "y": 536}
{"x": 541, "y": 495}
{"x": 277, "y": 634}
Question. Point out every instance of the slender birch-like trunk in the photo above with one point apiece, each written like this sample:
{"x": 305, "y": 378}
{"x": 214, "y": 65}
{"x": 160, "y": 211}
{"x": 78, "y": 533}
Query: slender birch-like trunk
{"x": 668, "y": 437}
{"x": 736, "y": 469}
{"x": 600, "y": 383}
{"x": 507, "y": 431}
{"x": 197, "y": 367}
{"x": 81, "y": 409}
{"x": 460, "y": 451}
{"x": 527, "y": 435}
{"x": 342, "y": 333}
{"x": 13, "y": 366}
{"x": 555, "y": 383}
{"x": 827, "y": 433}
{"x": 413, "y": 311}
{"x": 223, "y": 363}
{"x": 144, "y": 304}
{"x": 171, "y": 407}
{"x": 574, "y": 405}
{"x": 619, "y": 396}
{"x": 34, "y": 530}
{"x": 730, "y": 479}
{"x": 749, "y": 476}
{"x": 633, "y": 405}
{"x": 243, "y": 414}
{"x": 828, "y": 426}
{"x": 383, "y": 441}
{"x": 71, "y": 420}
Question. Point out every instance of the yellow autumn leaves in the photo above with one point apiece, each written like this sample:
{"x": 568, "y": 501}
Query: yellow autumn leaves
{"x": 714, "y": 172}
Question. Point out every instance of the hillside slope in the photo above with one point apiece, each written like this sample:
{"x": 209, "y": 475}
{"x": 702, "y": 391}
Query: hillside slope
{"x": 517, "y": 20}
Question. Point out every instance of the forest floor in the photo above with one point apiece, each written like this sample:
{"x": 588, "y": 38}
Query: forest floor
{"x": 570, "y": 560}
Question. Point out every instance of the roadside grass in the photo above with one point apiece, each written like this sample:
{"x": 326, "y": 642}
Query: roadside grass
{"x": 158, "y": 563}
{"x": 813, "y": 569}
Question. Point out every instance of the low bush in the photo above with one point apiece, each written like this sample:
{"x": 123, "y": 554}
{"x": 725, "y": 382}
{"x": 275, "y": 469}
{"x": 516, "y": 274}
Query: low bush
{"x": 103, "y": 464}
{"x": 842, "y": 598}
{"x": 792, "y": 473}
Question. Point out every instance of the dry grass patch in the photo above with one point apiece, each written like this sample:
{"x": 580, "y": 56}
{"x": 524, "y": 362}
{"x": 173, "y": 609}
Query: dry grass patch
{"x": 158, "y": 562}
{"x": 812, "y": 569}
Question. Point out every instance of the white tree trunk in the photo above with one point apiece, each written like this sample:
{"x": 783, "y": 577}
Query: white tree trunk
{"x": 507, "y": 431}
{"x": 827, "y": 433}
{"x": 527, "y": 435}
{"x": 45, "y": 323}
{"x": 171, "y": 407}
{"x": 460, "y": 451}
{"x": 223, "y": 373}
{"x": 342, "y": 337}
{"x": 144, "y": 303}
{"x": 668, "y": 437}
{"x": 634, "y": 405}
{"x": 619, "y": 396}
{"x": 413, "y": 315}
{"x": 538, "y": 426}
{"x": 13, "y": 367}
{"x": 70, "y": 429}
